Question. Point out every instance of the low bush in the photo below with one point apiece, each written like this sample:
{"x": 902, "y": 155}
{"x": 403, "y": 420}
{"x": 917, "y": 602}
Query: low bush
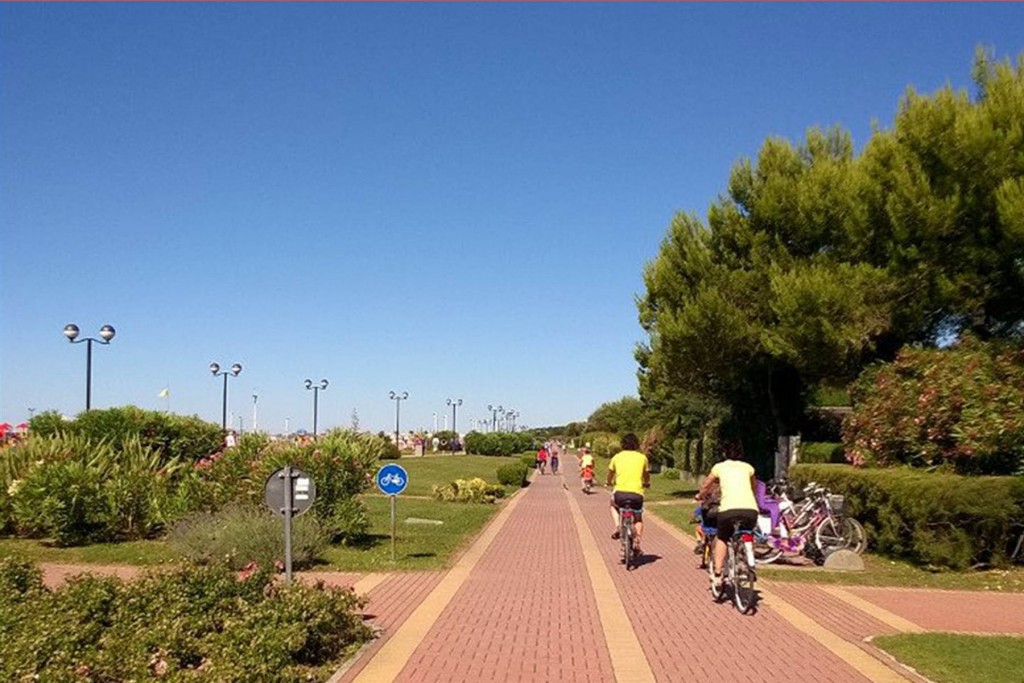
{"x": 180, "y": 437}
{"x": 670, "y": 473}
{"x": 940, "y": 520}
{"x": 474, "y": 490}
{"x": 239, "y": 535}
{"x": 813, "y": 453}
{"x": 513, "y": 474}
{"x": 528, "y": 459}
{"x": 190, "y": 623}
{"x": 958, "y": 408}
{"x": 498, "y": 443}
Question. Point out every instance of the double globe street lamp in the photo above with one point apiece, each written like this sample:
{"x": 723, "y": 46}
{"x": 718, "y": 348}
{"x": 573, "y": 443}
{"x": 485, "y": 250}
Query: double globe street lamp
{"x": 397, "y": 398}
{"x": 234, "y": 372}
{"x": 107, "y": 333}
{"x": 494, "y": 416}
{"x": 316, "y": 389}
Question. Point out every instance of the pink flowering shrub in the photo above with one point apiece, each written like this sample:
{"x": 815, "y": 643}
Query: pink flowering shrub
{"x": 960, "y": 408}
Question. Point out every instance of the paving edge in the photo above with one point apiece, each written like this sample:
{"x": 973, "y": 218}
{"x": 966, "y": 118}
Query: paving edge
{"x": 629, "y": 663}
{"x": 387, "y": 662}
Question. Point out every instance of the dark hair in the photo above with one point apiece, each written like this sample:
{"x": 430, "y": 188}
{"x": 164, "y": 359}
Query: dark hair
{"x": 630, "y": 442}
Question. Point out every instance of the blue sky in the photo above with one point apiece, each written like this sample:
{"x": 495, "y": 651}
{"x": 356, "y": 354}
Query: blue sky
{"x": 453, "y": 200}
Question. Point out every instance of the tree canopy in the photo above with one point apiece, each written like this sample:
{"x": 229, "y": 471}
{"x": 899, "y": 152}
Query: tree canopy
{"x": 819, "y": 260}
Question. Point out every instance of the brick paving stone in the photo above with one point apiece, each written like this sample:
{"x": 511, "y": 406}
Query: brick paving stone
{"x": 942, "y": 610}
{"x": 526, "y": 612}
{"x": 685, "y": 635}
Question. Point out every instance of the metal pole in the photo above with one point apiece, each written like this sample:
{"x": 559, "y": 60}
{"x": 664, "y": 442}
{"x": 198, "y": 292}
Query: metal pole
{"x": 316, "y": 394}
{"x": 456, "y": 431}
{"x": 88, "y": 374}
{"x": 224, "y": 406}
{"x": 393, "y": 499}
{"x": 398, "y": 404}
{"x": 288, "y": 509}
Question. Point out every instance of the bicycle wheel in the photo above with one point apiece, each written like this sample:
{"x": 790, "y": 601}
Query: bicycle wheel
{"x": 837, "y": 534}
{"x": 627, "y": 545}
{"x": 766, "y": 553}
{"x": 743, "y": 579}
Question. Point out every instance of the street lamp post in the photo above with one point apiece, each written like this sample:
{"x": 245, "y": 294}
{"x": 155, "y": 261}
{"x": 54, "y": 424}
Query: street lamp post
{"x": 494, "y": 416}
{"x": 216, "y": 371}
{"x": 255, "y": 422}
{"x": 454, "y": 403}
{"x": 316, "y": 389}
{"x": 398, "y": 398}
{"x": 106, "y": 334}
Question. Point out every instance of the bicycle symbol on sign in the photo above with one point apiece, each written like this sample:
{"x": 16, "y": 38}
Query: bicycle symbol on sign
{"x": 392, "y": 479}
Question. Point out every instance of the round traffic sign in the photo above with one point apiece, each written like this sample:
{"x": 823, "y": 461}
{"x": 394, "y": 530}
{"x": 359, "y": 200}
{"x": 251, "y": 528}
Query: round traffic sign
{"x": 392, "y": 479}
{"x": 303, "y": 491}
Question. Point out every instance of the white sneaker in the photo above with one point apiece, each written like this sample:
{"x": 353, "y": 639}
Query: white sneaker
{"x": 716, "y": 581}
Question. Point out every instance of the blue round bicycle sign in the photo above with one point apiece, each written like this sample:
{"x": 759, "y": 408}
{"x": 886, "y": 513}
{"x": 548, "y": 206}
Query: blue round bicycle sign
{"x": 392, "y": 479}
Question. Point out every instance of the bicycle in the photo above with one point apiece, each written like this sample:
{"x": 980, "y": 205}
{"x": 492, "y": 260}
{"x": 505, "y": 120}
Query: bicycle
{"x": 738, "y": 573}
{"x": 627, "y": 534}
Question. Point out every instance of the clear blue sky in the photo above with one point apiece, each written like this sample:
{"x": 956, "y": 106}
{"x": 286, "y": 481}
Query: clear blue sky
{"x": 453, "y": 200}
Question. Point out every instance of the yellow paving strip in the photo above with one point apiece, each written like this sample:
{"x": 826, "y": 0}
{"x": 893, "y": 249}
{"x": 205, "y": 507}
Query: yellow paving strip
{"x": 628, "y": 659}
{"x": 368, "y": 583}
{"x": 872, "y": 610}
{"x": 860, "y": 660}
{"x": 392, "y": 657}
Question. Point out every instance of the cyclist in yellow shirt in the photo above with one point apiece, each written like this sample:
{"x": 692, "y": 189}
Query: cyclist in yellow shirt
{"x": 629, "y": 473}
{"x": 738, "y": 507}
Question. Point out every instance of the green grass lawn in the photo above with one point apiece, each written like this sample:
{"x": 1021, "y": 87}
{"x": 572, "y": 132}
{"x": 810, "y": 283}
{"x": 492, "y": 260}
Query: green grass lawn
{"x": 442, "y": 469}
{"x": 953, "y": 658}
{"x": 417, "y": 546}
{"x": 140, "y": 553}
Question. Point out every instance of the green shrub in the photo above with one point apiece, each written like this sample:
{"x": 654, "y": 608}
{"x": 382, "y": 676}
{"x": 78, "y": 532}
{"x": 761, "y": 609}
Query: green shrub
{"x": 528, "y": 459}
{"x": 942, "y": 520}
{"x": 82, "y": 491}
{"x": 189, "y": 623}
{"x": 240, "y": 535}
{"x": 816, "y": 453}
{"x": 180, "y": 437}
{"x": 498, "y": 443}
{"x": 474, "y": 490}
{"x": 959, "y": 407}
{"x": 602, "y": 444}
{"x": 513, "y": 474}
{"x": 670, "y": 473}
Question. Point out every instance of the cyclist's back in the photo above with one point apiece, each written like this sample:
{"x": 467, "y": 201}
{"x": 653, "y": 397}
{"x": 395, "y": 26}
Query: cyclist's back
{"x": 629, "y": 473}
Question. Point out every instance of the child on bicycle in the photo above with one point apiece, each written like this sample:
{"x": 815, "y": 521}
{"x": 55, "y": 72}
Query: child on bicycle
{"x": 542, "y": 459}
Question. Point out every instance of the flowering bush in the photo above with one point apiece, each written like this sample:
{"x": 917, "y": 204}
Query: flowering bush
{"x": 474, "y": 490}
{"x": 961, "y": 407}
{"x": 191, "y": 623}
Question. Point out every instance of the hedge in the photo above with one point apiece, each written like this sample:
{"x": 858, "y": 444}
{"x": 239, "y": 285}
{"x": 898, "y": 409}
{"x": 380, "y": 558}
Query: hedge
{"x": 940, "y": 520}
{"x": 822, "y": 452}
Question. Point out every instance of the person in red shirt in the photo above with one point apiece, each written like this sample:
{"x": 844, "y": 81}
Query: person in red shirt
{"x": 542, "y": 459}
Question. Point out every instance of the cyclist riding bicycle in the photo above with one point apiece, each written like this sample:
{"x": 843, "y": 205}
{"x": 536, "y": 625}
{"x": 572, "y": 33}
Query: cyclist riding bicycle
{"x": 586, "y": 467}
{"x": 706, "y": 516}
{"x": 629, "y": 473}
{"x": 738, "y": 506}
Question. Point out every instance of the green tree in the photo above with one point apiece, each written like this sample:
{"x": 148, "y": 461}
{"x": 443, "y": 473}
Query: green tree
{"x": 624, "y": 415}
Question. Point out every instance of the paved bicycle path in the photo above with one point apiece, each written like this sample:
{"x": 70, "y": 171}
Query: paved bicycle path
{"x": 547, "y": 600}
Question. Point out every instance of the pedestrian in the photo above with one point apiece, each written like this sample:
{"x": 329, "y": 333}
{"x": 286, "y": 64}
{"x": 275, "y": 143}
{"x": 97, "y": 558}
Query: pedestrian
{"x": 554, "y": 457}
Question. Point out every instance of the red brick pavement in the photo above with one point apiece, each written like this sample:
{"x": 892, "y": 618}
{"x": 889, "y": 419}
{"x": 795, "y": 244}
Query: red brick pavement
{"x": 526, "y": 611}
{"x": 390, "y": 604}
{"x": 685, "y": 635}
{"x": 940, "y": 610}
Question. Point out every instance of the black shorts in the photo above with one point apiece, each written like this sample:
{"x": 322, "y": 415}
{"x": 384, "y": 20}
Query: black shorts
{"x": 731, "y": 520}
{"x": 633, "y": 501}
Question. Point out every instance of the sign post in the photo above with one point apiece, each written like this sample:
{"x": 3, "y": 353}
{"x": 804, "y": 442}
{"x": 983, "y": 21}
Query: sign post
{"x": 289, "y": 492}
{"x": 392, "y": 480}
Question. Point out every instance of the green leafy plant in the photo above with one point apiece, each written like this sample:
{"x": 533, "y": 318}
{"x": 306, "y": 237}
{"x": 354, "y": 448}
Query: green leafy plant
{"x": 670, "y": 473}
{"x": 961, "y": 407}
{"x": 498, "y": 443}
{"x": 240, "y": 535}
{"x": 513, "y": 474}
{"x": 934, "y": 519}
{"x": 474, "y": 490}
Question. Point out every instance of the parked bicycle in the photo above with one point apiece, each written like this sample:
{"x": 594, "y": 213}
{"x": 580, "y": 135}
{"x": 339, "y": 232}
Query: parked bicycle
{"x": 811, "y": 522}
{"x": 738, "y": 575}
